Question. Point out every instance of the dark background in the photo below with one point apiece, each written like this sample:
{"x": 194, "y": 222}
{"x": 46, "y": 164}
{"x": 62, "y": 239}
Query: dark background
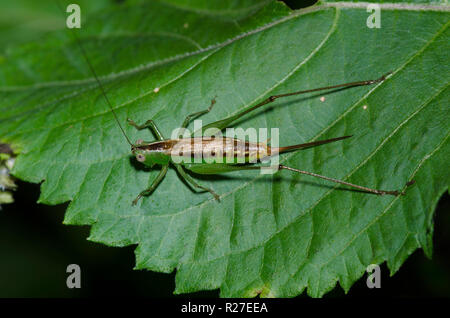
{"x": 36, "y": 248}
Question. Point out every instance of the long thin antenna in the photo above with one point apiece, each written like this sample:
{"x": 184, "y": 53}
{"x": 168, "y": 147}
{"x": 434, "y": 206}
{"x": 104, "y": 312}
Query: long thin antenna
{"x": 74, "y": 35}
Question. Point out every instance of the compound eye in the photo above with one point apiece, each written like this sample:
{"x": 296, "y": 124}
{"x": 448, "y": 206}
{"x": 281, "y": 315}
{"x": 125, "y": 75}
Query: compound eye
{"x": 140, "y": 158}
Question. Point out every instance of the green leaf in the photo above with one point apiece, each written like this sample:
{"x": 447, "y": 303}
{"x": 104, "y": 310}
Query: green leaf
{"x": 269, "y": 235}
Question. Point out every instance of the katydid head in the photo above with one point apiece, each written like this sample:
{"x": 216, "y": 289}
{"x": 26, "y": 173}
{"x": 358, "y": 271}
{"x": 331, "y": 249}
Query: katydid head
{"x": 143, "y": 156}
{"x": 149, "y": 153}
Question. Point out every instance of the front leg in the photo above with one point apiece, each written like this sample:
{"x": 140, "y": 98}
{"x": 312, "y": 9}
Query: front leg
{"x": 155, "y": 183}
{"x": 148, "y": 124}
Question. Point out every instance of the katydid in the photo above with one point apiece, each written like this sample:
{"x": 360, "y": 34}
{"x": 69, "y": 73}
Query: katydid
{"x": 161, "y": 152}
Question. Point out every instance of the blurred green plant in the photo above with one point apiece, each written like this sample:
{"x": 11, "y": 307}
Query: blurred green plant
{"x": 6, "y": 180}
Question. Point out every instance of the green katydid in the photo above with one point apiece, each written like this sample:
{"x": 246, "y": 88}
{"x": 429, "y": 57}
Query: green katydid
{"x": 246, "y": 155}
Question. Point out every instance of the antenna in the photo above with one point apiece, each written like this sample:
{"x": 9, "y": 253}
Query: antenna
{"x": 77, "y": 40}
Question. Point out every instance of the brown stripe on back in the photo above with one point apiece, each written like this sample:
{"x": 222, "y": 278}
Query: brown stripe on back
{"x": 160, "y": 146}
